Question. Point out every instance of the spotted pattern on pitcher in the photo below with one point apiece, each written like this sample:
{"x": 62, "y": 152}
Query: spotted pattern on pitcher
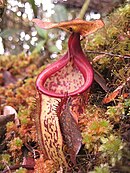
{"x": 51, "y": 131}
{"x": 67, "y": 79}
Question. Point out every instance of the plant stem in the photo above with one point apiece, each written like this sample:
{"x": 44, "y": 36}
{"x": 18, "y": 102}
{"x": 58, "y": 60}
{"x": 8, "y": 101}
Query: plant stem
{"x": 108, "y": 53}
{"x": 83, "y": 9}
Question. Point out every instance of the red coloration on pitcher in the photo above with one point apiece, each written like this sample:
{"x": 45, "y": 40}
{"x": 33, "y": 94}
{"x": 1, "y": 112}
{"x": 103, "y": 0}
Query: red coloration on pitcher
{"x": 74, "y": 72}
{"x": 62, "y": 96}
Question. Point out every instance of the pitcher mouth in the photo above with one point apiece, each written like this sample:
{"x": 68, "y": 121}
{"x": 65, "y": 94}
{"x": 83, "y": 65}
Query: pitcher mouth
{"x": 82, "y": 75}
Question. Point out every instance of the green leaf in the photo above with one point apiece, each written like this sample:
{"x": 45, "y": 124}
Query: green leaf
{"x": 53, "y": 49}
{"x": 42, "y": 33}
{"x": 60, "y": 13}
{"x": 39, "y": 46}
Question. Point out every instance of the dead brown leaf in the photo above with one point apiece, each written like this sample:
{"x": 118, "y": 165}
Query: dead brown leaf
{"x": 70, "y": 131}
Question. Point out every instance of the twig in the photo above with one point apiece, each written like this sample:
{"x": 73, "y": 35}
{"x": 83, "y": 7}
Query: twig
{"x": 7, "y": 166}
{"x": 108, "y": 53}
{"x": 83, "y": 9}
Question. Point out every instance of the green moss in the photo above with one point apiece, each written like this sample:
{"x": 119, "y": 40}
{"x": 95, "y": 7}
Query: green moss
{"x": 101, "y": 169}
{"x": 113, "y": 37}
{"x": 4, "y": 159}
{"x": 126, "y": 103}
{"x": 16, "y": 143}
{"x": 99, "y": 124}
{"x": 127, "y": 107}
{"x": 111, "y": 147}
{"x": 21, "y": 170}
{"x": 115, "y": 112}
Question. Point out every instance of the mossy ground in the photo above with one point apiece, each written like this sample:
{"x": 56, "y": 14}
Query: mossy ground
{"x": 104, "y": 127}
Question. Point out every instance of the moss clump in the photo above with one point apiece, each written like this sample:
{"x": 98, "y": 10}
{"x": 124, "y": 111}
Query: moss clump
{"x": 114, "y": 36}
{"x": 21, "y": 170}
{"x": 20, "y": 94}
{"x": 103, "y": 126}
{"x": 101, "y": 169}
{"x": 111, "y": 148}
